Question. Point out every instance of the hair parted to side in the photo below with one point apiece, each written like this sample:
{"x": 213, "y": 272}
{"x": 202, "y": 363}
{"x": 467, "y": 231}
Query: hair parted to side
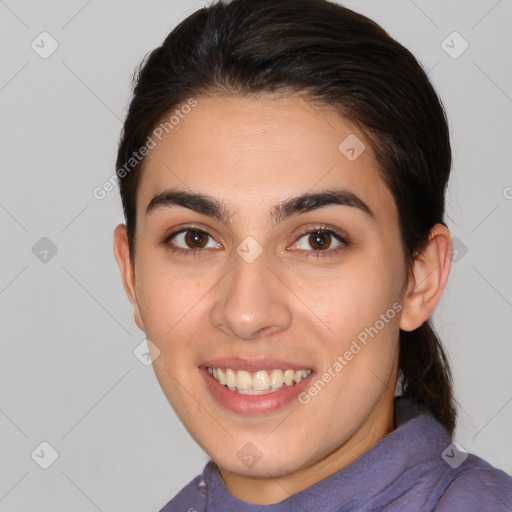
{"x": 342, "y": 59}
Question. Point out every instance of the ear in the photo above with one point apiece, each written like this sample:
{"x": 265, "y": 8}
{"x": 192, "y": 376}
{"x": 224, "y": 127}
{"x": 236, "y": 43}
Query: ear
{"x": 427, "y": 279}
{"x": 122, "y": 254}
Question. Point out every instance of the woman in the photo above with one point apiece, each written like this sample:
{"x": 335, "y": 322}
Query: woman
{"x": 282, "y": 169}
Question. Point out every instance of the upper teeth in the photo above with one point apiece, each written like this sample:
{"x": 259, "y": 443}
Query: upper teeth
{"x": 259, "y": 381}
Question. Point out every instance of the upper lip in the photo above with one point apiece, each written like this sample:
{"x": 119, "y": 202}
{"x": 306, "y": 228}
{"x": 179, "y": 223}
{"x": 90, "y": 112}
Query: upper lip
{"x": 238, "y": 363}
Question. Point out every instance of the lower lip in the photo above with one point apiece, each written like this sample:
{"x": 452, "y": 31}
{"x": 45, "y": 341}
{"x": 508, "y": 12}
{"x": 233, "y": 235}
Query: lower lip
{"x": 253, "y": 404}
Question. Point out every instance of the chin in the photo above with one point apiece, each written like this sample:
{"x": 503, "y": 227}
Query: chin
{"x": 257, "y": 464}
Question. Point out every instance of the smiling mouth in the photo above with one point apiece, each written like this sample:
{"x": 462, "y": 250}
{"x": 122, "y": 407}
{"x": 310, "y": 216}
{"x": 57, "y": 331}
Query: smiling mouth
{"x": 260, "y": 382}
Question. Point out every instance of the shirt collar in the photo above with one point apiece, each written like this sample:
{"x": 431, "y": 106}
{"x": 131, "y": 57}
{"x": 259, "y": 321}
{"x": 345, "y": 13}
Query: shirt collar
{"x": 417, "y": 438}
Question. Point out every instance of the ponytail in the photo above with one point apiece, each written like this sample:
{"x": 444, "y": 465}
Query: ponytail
{"x": 425, "y": 374}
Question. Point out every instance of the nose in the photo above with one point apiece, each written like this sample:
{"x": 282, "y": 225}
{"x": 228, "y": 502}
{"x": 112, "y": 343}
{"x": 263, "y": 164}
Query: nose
{"x": 251, "y": 301}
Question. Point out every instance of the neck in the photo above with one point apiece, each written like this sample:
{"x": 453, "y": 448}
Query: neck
{"x": 265, "y": 491}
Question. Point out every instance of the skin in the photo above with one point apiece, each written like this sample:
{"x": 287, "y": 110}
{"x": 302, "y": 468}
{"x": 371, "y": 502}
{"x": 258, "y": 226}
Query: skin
{"x": 287, "y": 304}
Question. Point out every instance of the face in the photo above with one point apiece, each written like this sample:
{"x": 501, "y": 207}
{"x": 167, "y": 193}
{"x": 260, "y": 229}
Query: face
{"x": 269, "y": 247}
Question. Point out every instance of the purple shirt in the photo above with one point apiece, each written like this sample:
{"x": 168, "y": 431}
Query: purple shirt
{"x": 414, "y": 468}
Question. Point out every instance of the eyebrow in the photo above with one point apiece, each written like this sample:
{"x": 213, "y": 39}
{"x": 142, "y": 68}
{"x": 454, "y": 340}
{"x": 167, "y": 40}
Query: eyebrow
{"x": 207, "y": 205}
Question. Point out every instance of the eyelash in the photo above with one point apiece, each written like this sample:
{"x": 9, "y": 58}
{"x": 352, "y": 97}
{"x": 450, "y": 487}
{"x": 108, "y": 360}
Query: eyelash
{"x": 310, "y": 231}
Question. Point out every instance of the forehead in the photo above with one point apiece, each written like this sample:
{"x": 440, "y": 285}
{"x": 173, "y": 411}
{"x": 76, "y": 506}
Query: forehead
{"x": 253, "y": 152}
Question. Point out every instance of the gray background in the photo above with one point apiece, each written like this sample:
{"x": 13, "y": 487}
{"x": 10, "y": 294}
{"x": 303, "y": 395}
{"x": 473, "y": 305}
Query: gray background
{"x": 69, "y": 375}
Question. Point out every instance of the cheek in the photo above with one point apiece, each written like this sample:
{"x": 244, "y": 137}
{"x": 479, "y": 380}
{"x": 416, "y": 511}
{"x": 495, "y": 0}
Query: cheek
{"x": 369, "y": 341}
{"x": 361, "y": 308}
{"x": 353, "y": 297}
{"x": 172, "y": 310}
{"x": 166, "y": 296}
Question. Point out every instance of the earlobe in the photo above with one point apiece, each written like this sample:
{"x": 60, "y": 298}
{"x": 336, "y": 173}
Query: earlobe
{"x": 122, "y": 255}
{"x": 427, "y": 279}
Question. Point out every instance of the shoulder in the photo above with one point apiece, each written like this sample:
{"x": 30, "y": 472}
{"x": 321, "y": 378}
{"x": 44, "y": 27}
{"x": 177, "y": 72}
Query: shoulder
{"x": 476, "y": 486}
{"x": 192, "y": 498}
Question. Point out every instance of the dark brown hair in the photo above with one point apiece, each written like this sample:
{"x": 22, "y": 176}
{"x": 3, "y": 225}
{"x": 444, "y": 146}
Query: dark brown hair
{"x": 337, "y": 57}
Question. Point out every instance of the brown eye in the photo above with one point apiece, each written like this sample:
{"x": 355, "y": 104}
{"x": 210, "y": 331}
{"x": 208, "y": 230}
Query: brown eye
{"x": 190, "y": 241}
{"x": 319, "y": 241}
{"x": 196, "y": 239}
